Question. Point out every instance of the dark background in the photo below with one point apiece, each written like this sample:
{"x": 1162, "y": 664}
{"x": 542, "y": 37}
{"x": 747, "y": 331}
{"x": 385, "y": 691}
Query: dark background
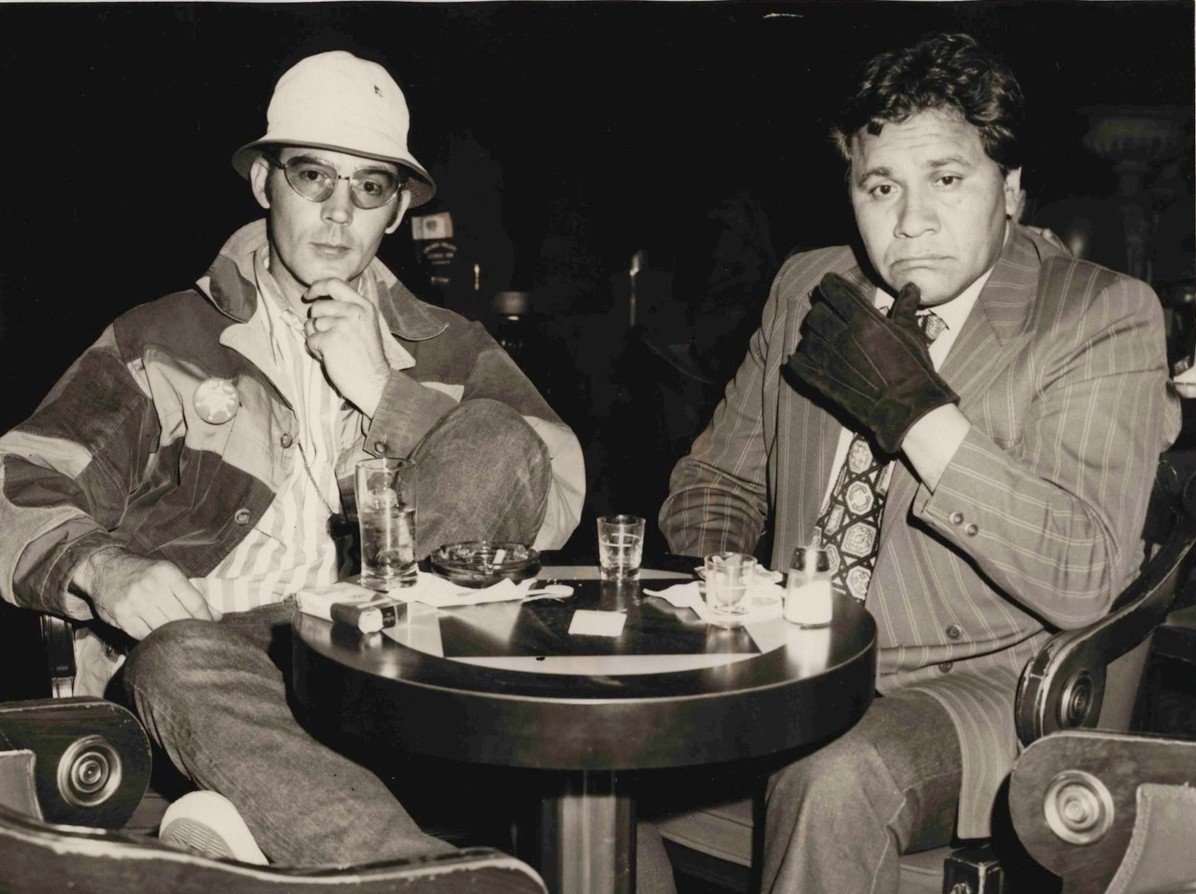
{"x": 636, "y": 118}
{"x": 620, "y": 125}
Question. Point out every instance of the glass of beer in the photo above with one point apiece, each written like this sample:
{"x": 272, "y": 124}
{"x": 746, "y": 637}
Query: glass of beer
{"x": 620, "y": 545}
{"x": 385, "y": 491}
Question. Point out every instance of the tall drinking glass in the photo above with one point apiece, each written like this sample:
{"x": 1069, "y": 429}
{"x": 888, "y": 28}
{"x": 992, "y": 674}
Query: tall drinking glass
{"x": 385, "y": 490}
{"x": 620, "y": 545}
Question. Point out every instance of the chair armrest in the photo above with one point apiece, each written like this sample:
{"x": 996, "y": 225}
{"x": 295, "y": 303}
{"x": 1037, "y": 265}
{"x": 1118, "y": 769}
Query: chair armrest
{"x": 92, "y": 757}
{"x": 18, "y": 783}
{"x": 1063, "y": 685}
{"x": 1073, "y": 798}
{"x": 41, "y": 858}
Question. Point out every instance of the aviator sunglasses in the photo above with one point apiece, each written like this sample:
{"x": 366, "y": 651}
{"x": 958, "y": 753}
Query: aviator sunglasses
{"x": 315, "y": 181}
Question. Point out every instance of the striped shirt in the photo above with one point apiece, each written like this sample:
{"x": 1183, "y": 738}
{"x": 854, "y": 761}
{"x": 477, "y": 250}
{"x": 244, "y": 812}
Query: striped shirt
{"x": 290, "y": 548}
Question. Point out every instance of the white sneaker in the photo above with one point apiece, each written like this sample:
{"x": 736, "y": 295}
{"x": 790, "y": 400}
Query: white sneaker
{"x": 207, "y": 823}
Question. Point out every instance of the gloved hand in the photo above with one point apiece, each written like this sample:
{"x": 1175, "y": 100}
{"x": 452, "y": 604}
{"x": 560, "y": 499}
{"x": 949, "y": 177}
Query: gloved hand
{"x": 877, "y": 369}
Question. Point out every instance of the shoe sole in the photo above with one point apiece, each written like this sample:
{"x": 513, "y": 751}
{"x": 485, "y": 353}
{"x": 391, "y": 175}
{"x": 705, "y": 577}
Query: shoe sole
{"x": 208, "y": 824}
{"x": 197, "y": 837}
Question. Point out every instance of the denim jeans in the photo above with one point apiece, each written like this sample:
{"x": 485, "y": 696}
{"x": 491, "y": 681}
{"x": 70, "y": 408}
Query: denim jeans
{"x": 214, "y": 696}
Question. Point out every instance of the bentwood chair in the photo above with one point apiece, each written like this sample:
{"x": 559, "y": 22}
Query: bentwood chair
{"x": 73, "y": 770}
{"x": 1079, "y": 679}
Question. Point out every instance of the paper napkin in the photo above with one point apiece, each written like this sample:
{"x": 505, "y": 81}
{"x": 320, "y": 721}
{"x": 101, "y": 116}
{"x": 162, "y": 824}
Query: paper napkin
{"x": 429, "y": 589}
{"x": 432, "y": 589}
{"x": 764, "y": 600}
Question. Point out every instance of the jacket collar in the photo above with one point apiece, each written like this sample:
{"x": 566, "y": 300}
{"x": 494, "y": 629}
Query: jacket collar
{"x": 229, "y": 284}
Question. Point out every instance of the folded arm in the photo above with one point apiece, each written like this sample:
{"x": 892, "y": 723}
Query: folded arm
{"x": 718, "y": 495}
{"x": 1055, "y": 519}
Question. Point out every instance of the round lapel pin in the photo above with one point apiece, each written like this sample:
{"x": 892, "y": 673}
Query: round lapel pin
{"x": 216, "y": 401}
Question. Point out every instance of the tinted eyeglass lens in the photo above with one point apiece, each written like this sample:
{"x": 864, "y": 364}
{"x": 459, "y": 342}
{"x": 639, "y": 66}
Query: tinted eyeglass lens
{"x": 315, "y": 182}
{"x": 372, "y": 189}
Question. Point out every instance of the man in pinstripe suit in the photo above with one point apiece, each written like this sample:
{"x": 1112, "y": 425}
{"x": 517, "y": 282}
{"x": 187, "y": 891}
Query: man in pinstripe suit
{"x": 1023, "y": 444}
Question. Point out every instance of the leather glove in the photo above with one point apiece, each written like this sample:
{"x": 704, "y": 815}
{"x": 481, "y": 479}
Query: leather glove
{"x": 877, "y": 369}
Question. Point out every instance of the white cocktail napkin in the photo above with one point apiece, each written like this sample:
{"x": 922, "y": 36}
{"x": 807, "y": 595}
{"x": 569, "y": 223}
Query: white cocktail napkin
{"x": 429, "y": 589}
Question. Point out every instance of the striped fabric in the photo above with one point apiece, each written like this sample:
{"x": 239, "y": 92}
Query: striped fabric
{"x": 1035, "y": 523}
{"x": 290, "y": 548}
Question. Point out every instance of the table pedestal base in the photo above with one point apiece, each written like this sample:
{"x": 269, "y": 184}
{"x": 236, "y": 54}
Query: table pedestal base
{"x": 587, "y": 836}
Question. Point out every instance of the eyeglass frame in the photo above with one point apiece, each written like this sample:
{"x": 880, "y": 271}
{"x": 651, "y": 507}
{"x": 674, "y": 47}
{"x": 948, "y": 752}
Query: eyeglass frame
{"x": 272, "y": 158}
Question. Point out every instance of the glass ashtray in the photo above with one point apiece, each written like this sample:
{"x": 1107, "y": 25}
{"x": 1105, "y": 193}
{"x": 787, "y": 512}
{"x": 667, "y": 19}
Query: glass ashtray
{"x": 482, "y": 563}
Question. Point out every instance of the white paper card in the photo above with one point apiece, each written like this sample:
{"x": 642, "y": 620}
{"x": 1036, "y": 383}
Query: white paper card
{"x": 591, "y": 623}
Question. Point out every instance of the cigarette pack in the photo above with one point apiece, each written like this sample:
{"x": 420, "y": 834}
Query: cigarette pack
{"x": 369, "y": 617}
{"x": 349, "y": 603}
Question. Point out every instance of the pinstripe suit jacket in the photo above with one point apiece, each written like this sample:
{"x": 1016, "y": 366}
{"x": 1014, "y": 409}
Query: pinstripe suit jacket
{"x": 1036, "y": 522}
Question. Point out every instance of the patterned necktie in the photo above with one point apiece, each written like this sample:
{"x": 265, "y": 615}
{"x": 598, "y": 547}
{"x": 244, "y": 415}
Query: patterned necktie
{"x": 849, "y": 529}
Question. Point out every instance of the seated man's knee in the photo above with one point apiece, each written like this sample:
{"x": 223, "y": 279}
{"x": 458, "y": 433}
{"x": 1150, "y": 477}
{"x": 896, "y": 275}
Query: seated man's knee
{"x": 831, "y": 776}
{"x": 484, "y": 474}
{"x": 496, "y": 432}
{"x": 165, "y": 657}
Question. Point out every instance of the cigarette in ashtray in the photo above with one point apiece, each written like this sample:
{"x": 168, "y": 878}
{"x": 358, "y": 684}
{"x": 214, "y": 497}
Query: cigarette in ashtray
{"x": 369, "y": 617}
{"x": 499, "y": 555}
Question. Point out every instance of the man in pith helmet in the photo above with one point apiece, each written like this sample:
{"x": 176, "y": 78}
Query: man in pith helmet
{"x": 188, "y": 471}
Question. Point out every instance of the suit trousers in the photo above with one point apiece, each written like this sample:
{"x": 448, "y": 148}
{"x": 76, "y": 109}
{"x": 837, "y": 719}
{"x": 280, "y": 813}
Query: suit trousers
{"x": 838, "y": 818}
{"x": 214, "y": 695}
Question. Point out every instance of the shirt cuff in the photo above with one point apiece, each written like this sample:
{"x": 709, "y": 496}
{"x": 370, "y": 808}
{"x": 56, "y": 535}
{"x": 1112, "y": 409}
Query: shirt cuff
{"x": 933, "y": 441}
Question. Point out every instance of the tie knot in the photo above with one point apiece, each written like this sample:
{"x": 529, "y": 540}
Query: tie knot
{"x": 932, "y": 324}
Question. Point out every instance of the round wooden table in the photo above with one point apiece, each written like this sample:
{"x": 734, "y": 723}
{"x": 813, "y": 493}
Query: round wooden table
{"x": 506, "y": 684}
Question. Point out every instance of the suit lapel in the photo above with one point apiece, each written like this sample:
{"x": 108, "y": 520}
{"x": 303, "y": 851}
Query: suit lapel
{"x": 994, "y": 330}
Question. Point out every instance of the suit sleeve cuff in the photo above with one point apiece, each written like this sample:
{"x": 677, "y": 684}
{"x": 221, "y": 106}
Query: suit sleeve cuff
{"x": 946, "y": 508}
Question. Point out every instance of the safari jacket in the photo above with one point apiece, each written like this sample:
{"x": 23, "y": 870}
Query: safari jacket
{"x": 120, "y": 453}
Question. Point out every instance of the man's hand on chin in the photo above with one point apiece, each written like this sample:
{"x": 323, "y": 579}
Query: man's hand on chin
{"x": 876, "y": 369}
{"x": 343, "y": 334}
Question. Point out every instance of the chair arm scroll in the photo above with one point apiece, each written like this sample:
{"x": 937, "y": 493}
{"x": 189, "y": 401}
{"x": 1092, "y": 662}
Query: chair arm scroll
{"x": 92, "y": 757}
{"x": 1062, "y": 687}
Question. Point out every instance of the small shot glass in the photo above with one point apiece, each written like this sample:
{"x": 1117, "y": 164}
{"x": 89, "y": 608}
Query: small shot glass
{"x": 620, "y": 545}
{"x": 728, "y": 576}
